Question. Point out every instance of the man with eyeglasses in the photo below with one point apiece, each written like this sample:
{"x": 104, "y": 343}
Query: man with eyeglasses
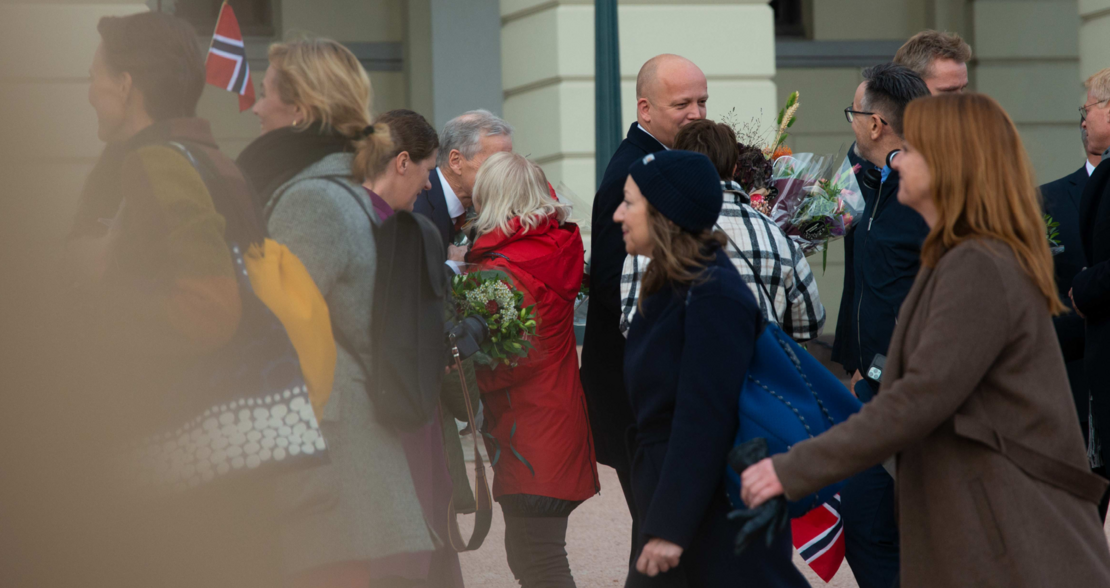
{"x": 882, "y": 256}
{"x": 1062, "y": 201}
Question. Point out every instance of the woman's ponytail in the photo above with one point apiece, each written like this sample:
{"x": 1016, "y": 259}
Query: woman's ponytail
{"x": 373, "y": 147}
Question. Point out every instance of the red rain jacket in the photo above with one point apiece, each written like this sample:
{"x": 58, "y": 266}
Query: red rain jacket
{"x": 537, "y": 429}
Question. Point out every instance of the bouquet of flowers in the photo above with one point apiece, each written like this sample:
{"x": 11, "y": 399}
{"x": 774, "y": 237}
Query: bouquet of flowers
{"x": 759, "y": 148}
{"x": 487, "y": 294}
{"x": 815, "y": 205}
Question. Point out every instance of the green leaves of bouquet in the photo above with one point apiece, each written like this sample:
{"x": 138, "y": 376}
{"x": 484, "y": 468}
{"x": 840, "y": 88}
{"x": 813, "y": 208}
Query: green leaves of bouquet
{"x": 487, "y": 294}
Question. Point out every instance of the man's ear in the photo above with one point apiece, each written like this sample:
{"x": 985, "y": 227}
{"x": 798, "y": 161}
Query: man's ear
{"x": 455, "y": 161}
{"x": 643, "y": 108}
{"x": 876, "y": 127}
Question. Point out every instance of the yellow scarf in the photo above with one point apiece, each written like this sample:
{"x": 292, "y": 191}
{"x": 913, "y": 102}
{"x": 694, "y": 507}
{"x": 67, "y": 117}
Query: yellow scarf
{"x": 283, "y": 284}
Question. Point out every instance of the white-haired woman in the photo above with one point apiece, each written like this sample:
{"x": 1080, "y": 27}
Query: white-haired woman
{"x": 536, "y": 421}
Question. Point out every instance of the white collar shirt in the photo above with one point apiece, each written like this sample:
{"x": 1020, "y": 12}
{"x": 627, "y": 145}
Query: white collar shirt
{"x": 455, "y": 207}
{"x": 1090, "y": 168}
{"x": 641, "y": 127}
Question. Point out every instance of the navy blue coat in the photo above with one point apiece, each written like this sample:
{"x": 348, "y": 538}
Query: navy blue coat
{"x": 1061, "y": 200}
{"x": 603, "y": 344}
{"x": 688, "y": 353}
{"x": 433, "y": 204}
{"x": 885, "y": 247}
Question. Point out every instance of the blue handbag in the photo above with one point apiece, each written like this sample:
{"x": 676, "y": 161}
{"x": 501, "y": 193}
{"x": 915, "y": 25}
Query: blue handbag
{"x": 787, "y": 397}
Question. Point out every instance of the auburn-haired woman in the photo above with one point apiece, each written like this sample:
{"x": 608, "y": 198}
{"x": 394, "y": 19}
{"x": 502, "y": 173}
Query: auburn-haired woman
{"x": 536, "y": 420}
{"x": 992, "y": 477}
{"x": 688, "y": 351}
{"x": 354, "y": 521}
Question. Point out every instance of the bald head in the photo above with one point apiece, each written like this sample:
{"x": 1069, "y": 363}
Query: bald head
{"x": 670, "y": 92}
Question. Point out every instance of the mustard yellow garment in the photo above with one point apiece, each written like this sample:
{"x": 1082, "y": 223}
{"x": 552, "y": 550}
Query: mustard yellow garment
{"x": 283, "y": 284}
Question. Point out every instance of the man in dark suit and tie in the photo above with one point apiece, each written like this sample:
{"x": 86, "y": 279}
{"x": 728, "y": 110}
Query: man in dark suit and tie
{"x": 670, "y": 92}
{"x": 1083, "y": 211}
{"x": 1061, "y": 202}
{"x": 466, "y": 142}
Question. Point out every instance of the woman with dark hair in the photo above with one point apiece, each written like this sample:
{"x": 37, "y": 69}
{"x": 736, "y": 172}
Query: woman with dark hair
{"x": 156, "y": 300}
{"x": 357, "y": 520}
{"x": 402, "y": 173}
{"x": 405, "y": 169}
{"x": 992, "y": 478}
{"x": 688, "y": 351}
{"x": 150, "y": 242}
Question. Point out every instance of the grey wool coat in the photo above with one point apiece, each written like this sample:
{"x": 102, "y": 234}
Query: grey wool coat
{"x": 992, "y": 483}
{"x": 363, "y": 504}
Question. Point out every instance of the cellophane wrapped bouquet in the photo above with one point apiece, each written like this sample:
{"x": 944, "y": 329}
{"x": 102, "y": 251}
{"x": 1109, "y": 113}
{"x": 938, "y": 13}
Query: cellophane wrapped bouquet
{"x": 818, "y": 200}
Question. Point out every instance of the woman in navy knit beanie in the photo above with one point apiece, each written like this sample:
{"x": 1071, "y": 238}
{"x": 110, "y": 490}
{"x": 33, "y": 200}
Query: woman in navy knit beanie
{"x": 687, "y": 354}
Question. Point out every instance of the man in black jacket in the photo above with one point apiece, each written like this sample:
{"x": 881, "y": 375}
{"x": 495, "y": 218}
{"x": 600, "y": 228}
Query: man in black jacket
{"x": 886, "y": 251}
{"x": 670, "y": 92}
{"x": 466, "y": 142}
{"x": 1090, "y": 287}
{"x": 1062, "y": 199}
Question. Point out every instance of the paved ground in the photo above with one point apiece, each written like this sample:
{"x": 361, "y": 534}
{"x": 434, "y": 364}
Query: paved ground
{"x": 597, "y": 545}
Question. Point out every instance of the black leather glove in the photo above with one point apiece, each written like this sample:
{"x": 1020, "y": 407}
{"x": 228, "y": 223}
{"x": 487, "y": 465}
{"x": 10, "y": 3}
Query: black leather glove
{"x": 768, "y": 519}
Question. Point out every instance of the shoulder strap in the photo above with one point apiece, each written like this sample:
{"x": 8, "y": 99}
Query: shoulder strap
{"x": 483, "y": 517}
{"x": 361, "y": 203}
{"x": 755, "y": 274}
{"x": 339, "y": 337}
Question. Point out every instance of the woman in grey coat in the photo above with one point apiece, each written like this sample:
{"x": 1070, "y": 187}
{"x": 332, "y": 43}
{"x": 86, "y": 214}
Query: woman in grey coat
{"x": 349, "y": 522}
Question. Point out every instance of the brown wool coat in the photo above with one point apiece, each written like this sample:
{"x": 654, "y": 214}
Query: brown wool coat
{"x": 992, "y": 479}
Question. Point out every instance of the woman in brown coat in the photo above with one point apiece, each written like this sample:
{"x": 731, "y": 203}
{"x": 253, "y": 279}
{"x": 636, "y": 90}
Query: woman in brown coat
{"x": 992, "y": 478}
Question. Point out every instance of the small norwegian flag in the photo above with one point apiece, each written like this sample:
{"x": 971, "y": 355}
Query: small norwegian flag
{"x": 227, "y": 59}
{"x": 819, "y": 538}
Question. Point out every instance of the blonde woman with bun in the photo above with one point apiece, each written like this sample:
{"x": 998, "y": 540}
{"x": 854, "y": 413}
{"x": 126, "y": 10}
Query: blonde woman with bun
{"x": 349, "y": 523}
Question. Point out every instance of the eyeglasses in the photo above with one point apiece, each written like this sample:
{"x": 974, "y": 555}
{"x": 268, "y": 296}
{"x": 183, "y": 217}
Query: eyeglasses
{"x": 848, "y": 112}
{"x": 1083, "y": 110}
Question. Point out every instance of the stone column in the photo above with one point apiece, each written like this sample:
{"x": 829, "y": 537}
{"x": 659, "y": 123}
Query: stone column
{"x": 1094, "y": 29}
{"x": 547, "y": 52}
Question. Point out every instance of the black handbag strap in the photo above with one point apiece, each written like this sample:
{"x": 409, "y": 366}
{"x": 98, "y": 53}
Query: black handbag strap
{"x": 340, "y": 338}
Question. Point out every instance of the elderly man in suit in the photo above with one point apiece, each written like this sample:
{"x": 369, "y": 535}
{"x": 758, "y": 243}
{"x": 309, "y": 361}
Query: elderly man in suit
{"x": 1082, "y": 209}
{"x": 466, "y": 142}
{"x": 670, "y": 92}
{"x": 1061, "y": 201}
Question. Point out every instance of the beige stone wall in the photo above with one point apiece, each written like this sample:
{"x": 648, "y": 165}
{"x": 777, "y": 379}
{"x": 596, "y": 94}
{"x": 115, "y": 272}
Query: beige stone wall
{"x": 1094, "y": 31}
{"x": 548, "y": 71}
{"x": 1027, "y": 57}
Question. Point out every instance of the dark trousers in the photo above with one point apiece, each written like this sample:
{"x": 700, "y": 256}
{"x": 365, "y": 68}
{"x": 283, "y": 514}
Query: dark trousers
{"x": 536, "y": 550}
{"x": 870, "y": 528}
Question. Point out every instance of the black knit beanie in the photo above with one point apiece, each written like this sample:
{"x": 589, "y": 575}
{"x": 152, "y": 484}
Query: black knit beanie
{"x": 682, "y": 185}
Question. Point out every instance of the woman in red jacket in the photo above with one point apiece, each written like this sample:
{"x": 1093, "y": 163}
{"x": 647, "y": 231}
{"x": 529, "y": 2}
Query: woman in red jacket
{"x": 536, "y": 427}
